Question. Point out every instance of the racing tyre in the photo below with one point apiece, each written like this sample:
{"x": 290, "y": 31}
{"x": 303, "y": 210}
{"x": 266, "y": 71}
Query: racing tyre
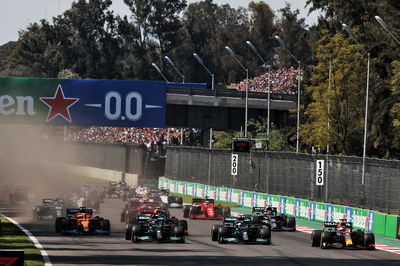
{"x": 369, "y": 240}
{"x": 128, "y": 231}
{"x": 316, "y": 238}
{"x": 58, "y": 224}
{"x": 186, "y": 210}
{"x": 291, "y": 223}
{"x": 105, "y": 226}
{"x": 265, "y": 233}
{"x": 325, "y": 239}
{"x": 214, "y": 232}
{"x": 178, "y": 231}
{"x": 358, "y": 238}
{"x": 136, "y": 229}
{"x": 226, "y": 211}
{"x": 184, "y": 224}
{"x": 222, "y": 231}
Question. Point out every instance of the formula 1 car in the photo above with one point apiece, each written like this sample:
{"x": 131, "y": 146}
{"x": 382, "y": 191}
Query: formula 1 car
{"x": 155, "y": 228}
{"x": 49, "y": 210}
{"x": 277, "y": 222}
{"x": 135, "y": 208}
{"x": 173, "y": 201}
{"x": 115, "y": 190}
{"x": 341, "y": 235}
{"x": 240, "y": 230}
{"x": 205, "y": 209}
{"x": 82, "y": 221}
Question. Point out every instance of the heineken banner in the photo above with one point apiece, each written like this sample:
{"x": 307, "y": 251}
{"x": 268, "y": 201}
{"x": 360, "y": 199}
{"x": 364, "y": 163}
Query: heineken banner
{"x": 83, "y": 102}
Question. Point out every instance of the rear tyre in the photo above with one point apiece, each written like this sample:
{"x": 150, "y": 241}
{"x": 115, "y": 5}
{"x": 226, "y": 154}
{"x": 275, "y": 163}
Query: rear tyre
{"x": 214, "y": 232}
{"x": 178, "y": 231}
{"x": 369, "y": 241}
{"x": 222, "y": 231}
{"x": 316, "y": 238}
{"x": 186, "y": 210}
{"x": 184, "y": 224}
{"x": 325, "y": 239}
{"x": 265, "y": 233}
{"x": 291, "y": 224}
{"x": 136, "y": 229}
{"x": 105, "y": 226}
{"x": 128, "y": 231}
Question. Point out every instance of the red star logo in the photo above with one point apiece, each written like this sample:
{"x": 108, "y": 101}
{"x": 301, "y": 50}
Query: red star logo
{"x": 59, "y": 105}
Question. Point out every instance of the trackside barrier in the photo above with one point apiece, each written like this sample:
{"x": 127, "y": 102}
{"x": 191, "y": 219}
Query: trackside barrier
{"x": 368, "y": 220}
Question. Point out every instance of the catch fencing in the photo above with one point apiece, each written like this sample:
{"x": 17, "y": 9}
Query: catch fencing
{"x": 293, "y": 174}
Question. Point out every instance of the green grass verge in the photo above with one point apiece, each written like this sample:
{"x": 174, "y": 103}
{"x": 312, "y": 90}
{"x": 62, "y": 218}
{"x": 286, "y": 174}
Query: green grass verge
{"x": 188, "y": 200}
{"x": 13, "y": 238}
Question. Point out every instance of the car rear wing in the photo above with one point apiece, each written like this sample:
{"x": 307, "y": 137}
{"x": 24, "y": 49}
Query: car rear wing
{"x": 200, "y": 201}
{"x": 147, "y": 210}
{"x": 335, "y": 224}
{"x": 230, "y": 220}
{"x": 258, "y": 209}
{"x": 48, "y": 200}
{"x": 71, "y": 212}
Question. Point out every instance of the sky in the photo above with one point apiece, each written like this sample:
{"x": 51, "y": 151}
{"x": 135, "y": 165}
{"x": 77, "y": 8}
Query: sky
{"x": 17, "y": 14}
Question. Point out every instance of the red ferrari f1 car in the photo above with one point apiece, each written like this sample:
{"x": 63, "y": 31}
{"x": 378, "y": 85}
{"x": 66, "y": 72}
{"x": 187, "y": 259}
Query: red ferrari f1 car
{"x": 205, "y": 209}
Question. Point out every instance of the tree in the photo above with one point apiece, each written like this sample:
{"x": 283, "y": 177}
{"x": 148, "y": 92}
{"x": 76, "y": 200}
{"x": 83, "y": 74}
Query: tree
{"x": 340, "y": 105}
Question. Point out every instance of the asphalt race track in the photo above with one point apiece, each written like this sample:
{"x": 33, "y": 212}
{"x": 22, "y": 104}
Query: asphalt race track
{"x": 287, "y": 248}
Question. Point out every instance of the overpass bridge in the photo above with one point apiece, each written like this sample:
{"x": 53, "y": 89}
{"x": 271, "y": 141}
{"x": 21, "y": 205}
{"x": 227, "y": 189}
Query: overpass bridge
{"x": 223, "y": 109}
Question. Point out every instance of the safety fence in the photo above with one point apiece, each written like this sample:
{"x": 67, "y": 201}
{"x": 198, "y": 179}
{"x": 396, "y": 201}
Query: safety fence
{"x": 293, "y": 174}
{"x": 368, "y": 220}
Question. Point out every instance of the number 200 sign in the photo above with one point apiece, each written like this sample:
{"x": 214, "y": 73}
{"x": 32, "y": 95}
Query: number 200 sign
{"x": 235, "y": 160}
{"x": 320, "y": 173}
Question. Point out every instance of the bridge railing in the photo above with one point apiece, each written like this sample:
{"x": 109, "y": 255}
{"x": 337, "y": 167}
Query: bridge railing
{"x": 230, "y": 93}
{"x": 292, "y": 174}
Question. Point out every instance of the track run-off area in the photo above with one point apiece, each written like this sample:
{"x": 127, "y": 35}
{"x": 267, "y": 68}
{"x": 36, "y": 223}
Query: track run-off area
{"x": 287, "y": 248}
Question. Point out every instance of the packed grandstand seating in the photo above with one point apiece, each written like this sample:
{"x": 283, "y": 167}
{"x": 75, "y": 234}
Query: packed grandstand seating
{"x": 282, "y": 81}
{"x": 152, "y": 140}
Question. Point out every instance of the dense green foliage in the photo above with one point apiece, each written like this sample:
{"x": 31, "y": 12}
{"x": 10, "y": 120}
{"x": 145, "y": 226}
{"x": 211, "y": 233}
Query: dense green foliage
{"x": 90, "y": 41}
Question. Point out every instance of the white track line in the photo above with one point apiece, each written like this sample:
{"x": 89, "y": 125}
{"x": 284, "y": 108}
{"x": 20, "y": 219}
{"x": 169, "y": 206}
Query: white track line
{"x": 39, "y": 246}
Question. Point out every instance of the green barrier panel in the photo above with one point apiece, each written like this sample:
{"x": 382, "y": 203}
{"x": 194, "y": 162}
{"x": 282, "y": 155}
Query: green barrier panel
{"x": 199, "y": 190}
{"x": 223, "y": 194}
{"x": 320, "y": 212}
{"x": 247, "y": 198}
{"x": 391, "y": 226}
{"x": 235, "y": 197}
{"x": 338, "y": 212}
{"x": 360, "y": 219}
{"x": 189, "y": 188}
{"x": 261, "y": 200}
{"x": 304, "y": 209}
{"x": 290, "y": 206}
{"x": 379, "y": 224}
{"x": 274, "y": 201}
{"x": 211, "y": 192}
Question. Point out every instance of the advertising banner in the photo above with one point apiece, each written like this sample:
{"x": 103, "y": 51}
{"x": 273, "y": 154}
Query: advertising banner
{"x": 261, "y": 200}
{"x": 181, "y": 187}
{"x": 189, "y": 188}
{"x": 83, "y": 102}
{"x": 304, "y": 210}
{"x": 312, "y": 211}
{"x": 338, "y": 212}
{"x": 320, "y": 212}
{"x": 360, "y": 219}
{"x": 398, "y": 227}
{"x": 379, "y": 223}
{"x": 199, "y": 191}
{"x": 282, "y": 205}
{"x": 297, "y": 208}
{"x": 274, "y": 201}
{"x": 247, "y": 198}
{"x": 290, "y": 206}
{"x": 229, "y": 195}
{"x": 235, "y": 196}
{"x": 211, "y": 192}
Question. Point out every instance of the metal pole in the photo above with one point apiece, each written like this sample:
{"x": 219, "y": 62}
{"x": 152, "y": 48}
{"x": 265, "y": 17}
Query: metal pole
{"x": 211, "y": 134}
{"x": 365, "y": 128}
{"x": 247, "y": 95}
{"x": 181, "y": 136}
{"x": 329, "y": 103}
{"x": 298, "y": 108}
{"x": 212, "y": 81}
{"x": 269, "y": 100}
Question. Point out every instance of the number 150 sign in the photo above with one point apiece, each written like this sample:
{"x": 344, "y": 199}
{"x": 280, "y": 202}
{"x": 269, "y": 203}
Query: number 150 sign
{"x": 320, "y": 173}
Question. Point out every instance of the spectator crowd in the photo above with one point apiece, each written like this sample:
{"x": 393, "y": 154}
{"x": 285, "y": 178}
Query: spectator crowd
{"x": 153, "y": 140}
{"x": 282, "y": 81}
